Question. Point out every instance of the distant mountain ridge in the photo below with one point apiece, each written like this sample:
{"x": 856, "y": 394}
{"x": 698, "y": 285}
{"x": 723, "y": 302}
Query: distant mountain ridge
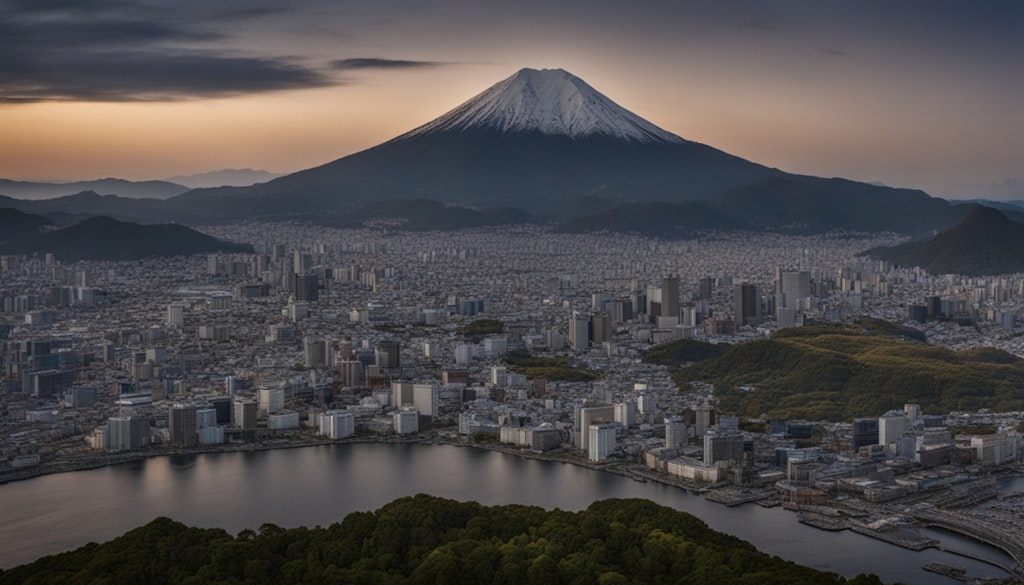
{"x": 105, "y": 238}
{"x": 986, "y": 242}
{"x": 28, "y": 190}
{"x": 224, "y": 177}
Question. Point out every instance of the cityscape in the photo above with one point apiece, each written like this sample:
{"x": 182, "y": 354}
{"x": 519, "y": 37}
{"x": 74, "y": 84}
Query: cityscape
{"x": 533, "y": 292}
{"x": 332, "y": 336}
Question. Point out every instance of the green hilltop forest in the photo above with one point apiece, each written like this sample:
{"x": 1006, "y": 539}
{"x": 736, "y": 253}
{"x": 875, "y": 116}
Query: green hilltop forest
{"x": 837, "y": 373}
{"x": 428, "y": 540}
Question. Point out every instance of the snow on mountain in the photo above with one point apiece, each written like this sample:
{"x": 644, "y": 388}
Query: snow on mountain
{"x": 552, "y": 102}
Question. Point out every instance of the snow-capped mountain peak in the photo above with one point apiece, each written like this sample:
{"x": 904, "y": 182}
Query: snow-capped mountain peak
{"x": 552, "y": 102}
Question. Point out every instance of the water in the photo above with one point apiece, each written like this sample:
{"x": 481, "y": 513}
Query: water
{"x": 320, "y": 485}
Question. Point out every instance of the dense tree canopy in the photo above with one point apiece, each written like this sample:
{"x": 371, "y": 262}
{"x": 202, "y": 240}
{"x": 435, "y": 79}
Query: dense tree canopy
{"x": 838, "y": 373}
{"x": 427, "y": 540}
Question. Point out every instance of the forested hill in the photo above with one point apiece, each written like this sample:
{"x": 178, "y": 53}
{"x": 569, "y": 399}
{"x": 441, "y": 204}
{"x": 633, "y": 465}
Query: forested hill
{"x": 423, "y": 539}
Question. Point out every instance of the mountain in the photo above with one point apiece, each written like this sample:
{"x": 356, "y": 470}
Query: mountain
{"x": 986, "y": 242}
{"x": 224, "y": 177}
{"x": 15, "y": 225}
{"x": 105, "y": 238}
{"x": 133, "y": 189}
{"x": 71, "y": 209}
{"x": 528, "y": 142}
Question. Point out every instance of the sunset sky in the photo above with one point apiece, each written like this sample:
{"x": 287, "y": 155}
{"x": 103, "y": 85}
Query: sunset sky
{"x": 926, "y": 94}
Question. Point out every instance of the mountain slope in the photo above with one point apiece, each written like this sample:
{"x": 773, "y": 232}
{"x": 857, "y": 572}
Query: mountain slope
{"x": 984, "y": 243}
{"x": 15, "y": 225}
{"x": 104, "y": 238}
{"x": 527, "y": 142}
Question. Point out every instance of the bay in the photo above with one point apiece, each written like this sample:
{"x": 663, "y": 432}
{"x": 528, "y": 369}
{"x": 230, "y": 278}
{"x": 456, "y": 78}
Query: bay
{"x": 319, "y": 485}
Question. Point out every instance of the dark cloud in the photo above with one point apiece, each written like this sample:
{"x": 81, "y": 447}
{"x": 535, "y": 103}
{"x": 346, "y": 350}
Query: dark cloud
{"x": 834, "y": 52}
{"x": 136, "y": 76}
{"x": 374, "y": 63}
{"x": 123, "y": 51}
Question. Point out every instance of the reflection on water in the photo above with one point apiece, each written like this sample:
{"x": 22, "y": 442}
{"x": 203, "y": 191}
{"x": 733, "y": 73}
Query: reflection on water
{"x": 320, "y": 485}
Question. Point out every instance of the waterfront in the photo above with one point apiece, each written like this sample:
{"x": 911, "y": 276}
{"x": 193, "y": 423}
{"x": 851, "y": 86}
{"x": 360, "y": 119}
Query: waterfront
{"x": 320, "y": 485}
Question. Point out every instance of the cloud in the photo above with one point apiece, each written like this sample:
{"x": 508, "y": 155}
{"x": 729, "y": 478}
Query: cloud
{"x": 374, "y": 63}
{"x": 122, "y": 51}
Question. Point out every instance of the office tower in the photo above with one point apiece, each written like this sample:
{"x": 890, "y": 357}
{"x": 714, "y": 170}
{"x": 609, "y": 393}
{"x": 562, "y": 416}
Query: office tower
{"x": 314, "y": 352}
{"x": 601, "y": 441}
{"x": 675, "y": 432}
{"x": 271, "y": 400}
{"x": 625, "y": 414}
{"x": 579, "y": 332}
{"x": 389, "y": 354}
{"x": 890, "y": 428}
{"x": 793, "y": 286}
{"x": 352, "y": 373}
{"x": 244, "y": 413}
{"x": 590, "y": 415}
{"x": 601, "y": 325}
{"x": 402, "y": 393}
{"x": 703, "y": 416}
{"x": 865, "y": 432}
{"x": 306, "y": 287}
{"x": 176, "y": 314}
{"x": 722, "y": 446}
{"x": 425, "y": 399}
{"x": 499, "y": 374}
{"x": 181, "y": 422}
{"x": 125, "y": 433}
{"x": 337, "y": 424}
{"x": 670, "y": 297}
{"x": 705, "y": 288}
{"x": 913, "y": 413}
{"x": 406, "y": 421}
{"x": 746, "y": 305}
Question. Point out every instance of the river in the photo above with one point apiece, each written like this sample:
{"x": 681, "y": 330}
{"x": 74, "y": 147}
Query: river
{"x": 319, "y": 485}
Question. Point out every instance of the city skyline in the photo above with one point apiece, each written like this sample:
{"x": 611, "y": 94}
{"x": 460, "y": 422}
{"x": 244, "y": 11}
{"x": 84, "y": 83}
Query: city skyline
{"x": 914, "y": 95}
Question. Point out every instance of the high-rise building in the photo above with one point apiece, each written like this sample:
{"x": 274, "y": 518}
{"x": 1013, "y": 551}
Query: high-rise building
{"x": 601, "y": 325}
{"x": 890, "y": 429}
{"x": 793, "y": 286}
{"x": 176, "y": 314}
{"x": 271, "y": 400}
{"x": 244, "y": 413}
{"x": 579, "y": 332}
{"x": 352, "y": 373}
{"x": 314, "y": 352}
{"x": 407, "y": 421}
{"x": 337, "y": 424}
{"x": 601, "y": 441}
{"x": 389, "y": 354}
{"x": 722, "y": 446}
{"x": 670, "y": 297}
{"x": 125, "y": 433}
{"x": 625, "y": 414}
{"x": 590, "y": 415}
{"x": 425, "y": 399}
{"x": 402, "y": 393}
{"x": 306, "y": 287}
{"x": 746, "y": 305}
{"x": 865, "y": 432}
{"x": 675, "y": 432}
{"x": 181, "y": 422}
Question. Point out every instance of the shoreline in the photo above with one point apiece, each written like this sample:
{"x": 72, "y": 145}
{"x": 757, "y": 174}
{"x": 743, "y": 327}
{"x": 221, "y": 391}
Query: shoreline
{"x": 728, "y": 496}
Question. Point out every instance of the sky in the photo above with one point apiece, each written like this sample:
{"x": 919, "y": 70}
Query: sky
{"x": 921, "y": 94}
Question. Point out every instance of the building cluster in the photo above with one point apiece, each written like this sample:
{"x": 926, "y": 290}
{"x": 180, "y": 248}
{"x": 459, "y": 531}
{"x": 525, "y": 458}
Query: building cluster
{"x": 346, "y": 332}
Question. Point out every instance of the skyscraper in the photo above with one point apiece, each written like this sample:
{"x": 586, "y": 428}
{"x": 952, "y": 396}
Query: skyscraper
{"x": 670, "y": 297}
{"x": 181, "y": 422}
{"x": 579, "y": 332}
{"x": 746, "y": 305}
